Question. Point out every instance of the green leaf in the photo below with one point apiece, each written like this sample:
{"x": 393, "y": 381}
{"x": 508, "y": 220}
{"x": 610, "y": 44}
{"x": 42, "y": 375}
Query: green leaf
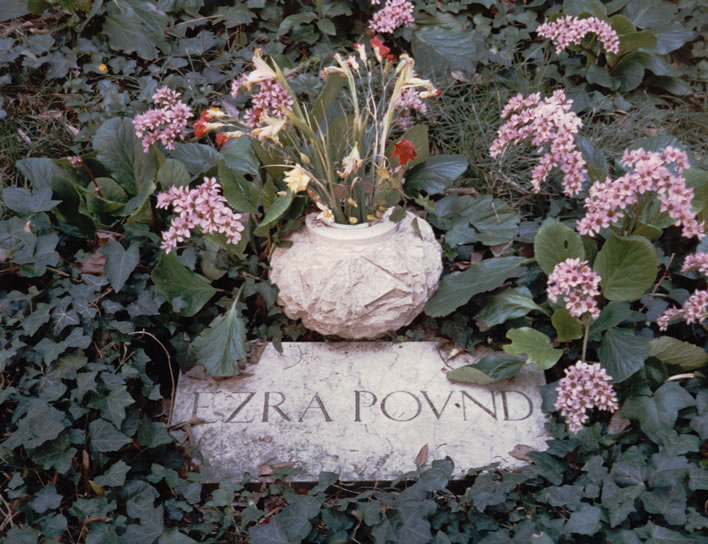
{"x": 597, "y": 75}
{"x": 509, "y": 304}
{"x": 239, "y": 156}
{"x": 277, "y": 209}
{"x": 455, "y": 290}
{"x": 115, "y": 477}
{"x": 439, "y": 50}
{"x": 619, "y": 501}
{"x": 468, "y": 219}
{"x": 181, "y": 286}
{"x": 119, "y": 263}
{"x": 116, "y": 402}
{"x": 554, "y": 243}
{"x": 45, "y": 499}
{"x": 173, "y": 536}
{"x": 222, "y": 345}
{"x": 673, "y": 351}
{"x": 671, "y": 37}
{"x": 670, "y": 502}
{"x": 535, "y": 345}
{"x": 270, "y": 533}
{"x": 621, "y": 24}
{"x": 622, "y": 353}
{"x": 627, "y": 267}
{"x": 635, "y": 40}
{"x": 172, "y": 173}
{"x": 40, "y": 424}
{"x": 197, "y": 158}
{"x": 152, "y": 523}
{"x": 41, "y": 172}
{"x": 120, "y": 150}
{"x": 649, "y": 14}
{"x": 612, "y": 315}
{"x": 567, "y": 326}
{"x": 630, "y": 73}
{"x": 136, "y": 26}
{"x": 330, "y": 91}
{"x": 418, "y": 136}
{"x": 104, "y": 436}
{"x": 24, "y": 202}
{"x": 296, "y": 516}
{"x": 241, "y": 194}
{"x": 657, "y": 413}
{"x": 435, "y": 174}
{"x": 584, "y": 521}
{"x": 489, "y": 369}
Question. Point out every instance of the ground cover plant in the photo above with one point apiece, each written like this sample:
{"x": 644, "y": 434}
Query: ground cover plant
{"x": 566, "y": 181}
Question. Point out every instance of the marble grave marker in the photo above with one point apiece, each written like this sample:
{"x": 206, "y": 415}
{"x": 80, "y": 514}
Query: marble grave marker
{"x": 361, "y": 409}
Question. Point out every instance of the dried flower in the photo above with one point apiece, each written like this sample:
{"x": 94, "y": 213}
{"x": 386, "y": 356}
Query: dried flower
{"x": 297, "y": 179}
{"x": 167, "y": 123}
{"x": 585, "y": 386}
{"x": 395, "y": 14}
{"x": 694, "y": 310}
{"x": 609, "y": 202}
{"x": 202, "y": 207}
{"x": 575, "y": 282}
{"x": 571, "y": 30}
{"x": 548, "y": 122}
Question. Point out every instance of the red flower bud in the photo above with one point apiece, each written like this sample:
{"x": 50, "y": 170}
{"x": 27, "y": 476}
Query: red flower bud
{"x": 404, "y": 150}
{"x": 378, "y": 44}
{"x": 221, "y": 138}
{"x": 200, "y": 129}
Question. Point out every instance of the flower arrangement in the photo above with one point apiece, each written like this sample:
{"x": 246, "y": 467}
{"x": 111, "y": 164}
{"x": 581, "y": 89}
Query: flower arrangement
{"x": 349, "y": 164}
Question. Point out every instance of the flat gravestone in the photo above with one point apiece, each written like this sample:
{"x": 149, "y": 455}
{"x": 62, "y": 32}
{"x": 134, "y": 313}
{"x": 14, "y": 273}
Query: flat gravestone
{"x": 361, "y": 409}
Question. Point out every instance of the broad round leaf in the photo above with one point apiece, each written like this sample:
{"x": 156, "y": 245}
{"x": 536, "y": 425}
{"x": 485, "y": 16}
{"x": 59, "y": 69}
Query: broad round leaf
{"x": 675, "y": 352}
{"x": 627, "y": 267}
{"x": 622, "y": 353}
{"x": 554, "y": 243}
{"x": 568, "y": 327}
{"x": 535, "y": 345}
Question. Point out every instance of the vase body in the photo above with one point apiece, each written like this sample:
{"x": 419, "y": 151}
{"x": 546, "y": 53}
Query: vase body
{"x": 357, "y": 282}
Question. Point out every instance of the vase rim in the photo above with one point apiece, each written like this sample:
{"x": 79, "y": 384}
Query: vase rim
{"x": 362, "y": 233}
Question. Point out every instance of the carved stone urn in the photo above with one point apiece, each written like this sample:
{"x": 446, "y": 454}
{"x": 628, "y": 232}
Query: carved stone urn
{"x": 357, "y": 281}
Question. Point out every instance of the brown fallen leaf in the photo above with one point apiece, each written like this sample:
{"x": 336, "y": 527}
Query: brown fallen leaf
{"x": 617, "y": 423}
{"x": 520, "y": 452}
{"x": 422, "y": 457}
{"x": 265, "y": 470}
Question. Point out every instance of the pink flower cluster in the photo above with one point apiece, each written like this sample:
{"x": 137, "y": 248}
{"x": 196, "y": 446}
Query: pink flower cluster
{"x": 610, "y": 201}
{"x": 395, "y": 14}
{"x": 584, "y": 387}
{"x": 270, "y": 99}
{"x": 167, "y": 123}
{"x": 571, "y": 30}
{"x": 694, "y": 310}
{"x": 201, "y": 207}
{"x": 410, "y": 103}
{"x": 697, "y": 261}
{"x": 76, "y": 161}
{"x": 545, "y": 122}
{"x": 577, "y": 284}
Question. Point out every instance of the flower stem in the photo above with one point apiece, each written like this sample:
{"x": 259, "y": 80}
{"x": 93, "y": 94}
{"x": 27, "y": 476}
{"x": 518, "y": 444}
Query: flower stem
{"x": 585, "y": 339}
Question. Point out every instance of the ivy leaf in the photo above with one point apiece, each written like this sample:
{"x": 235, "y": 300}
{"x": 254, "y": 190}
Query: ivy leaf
{"x": 455, "y": 290}
{"x": 468, "y": 219}
{"x": 40, "y": 424}
{"x": 670, "y": 502}
{"x": 173, "y": 536}
{"x": 535, "y": 345}
{"x": 24, "y": 202}
{"x": 45, "y": 499}
{"x": 151, "y": 525}
{"x": 105, "y": 437}
{"x": 177, "y": 283}
{"x": 221, "y": 346}
{"x": 554, "y": 243}
{"x": 619, "y": 501}
{"x": 627, "y": 267}
{"x": 622, "y": 353}
{"x": 509, "y": 304}
{"x": 489, "y": 369}
{"x": 115, "y": 477}
{"x": 41, "y": 172}
{"x": 584, "y": 521}
{"x": 119, "y": 263}
{"x": 296, "y": 516}
{"x": 116, "y": 402}
{"x": 657, "y": 413}
{"x": 486, "y": 491}
{"x": 672, "y": 351}
{"x": 271, "y": 533}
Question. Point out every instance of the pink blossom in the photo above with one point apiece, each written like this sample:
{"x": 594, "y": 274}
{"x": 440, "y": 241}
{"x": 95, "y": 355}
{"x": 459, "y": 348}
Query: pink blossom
{"x": 395, "y": 14}
{"x": 410, "y": 103}
{"x": 584, "y": 387}
{"x": 651, "y": 172}
{"x": 76, "y": 162}
{"x": 571, "y": 30}
{"x": 271, "y": 99}
{"x": 697, "y": 261}
{"x": 167, "y": 123}
{"x": 694, "y": 310}
{"x": 551, "y": 126}
{"x": 575, "y": 282}
{"x": 202, "y": 207}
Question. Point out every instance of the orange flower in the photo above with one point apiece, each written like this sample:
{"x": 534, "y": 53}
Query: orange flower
{"x": 221, "y": 138}
{"x": 379, "y": 47}
{"x": 404, "y": 150}
{"x": 200, "y": 128}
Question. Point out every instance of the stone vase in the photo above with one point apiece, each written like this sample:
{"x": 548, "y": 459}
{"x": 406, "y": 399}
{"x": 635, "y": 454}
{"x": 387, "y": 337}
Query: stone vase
{"x": 358, "y": 281}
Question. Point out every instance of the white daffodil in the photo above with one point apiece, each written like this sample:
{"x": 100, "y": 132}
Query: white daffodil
{"x": 326, "y": 214}
{"x": 271, "y": 129}
{"x": 297, "y": 179}
{"x": 262, "y": 71}
{"x": 351, "y": 163}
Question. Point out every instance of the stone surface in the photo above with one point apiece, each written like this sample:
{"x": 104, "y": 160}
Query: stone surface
{"x": 361, "y": 409}
{"x": 357, "y": 283}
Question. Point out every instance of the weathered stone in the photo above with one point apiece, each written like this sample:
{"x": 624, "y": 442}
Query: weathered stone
{"x": 361, "y": 409}
{"x": 357, "y": 283}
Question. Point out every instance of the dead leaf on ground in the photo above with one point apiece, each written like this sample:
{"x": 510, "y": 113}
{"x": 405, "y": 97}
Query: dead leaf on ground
{"x": 94, "y": 264}
{"x": 422, "y": 457}
{"x": 265, "y": 470}
{"x": 617, "y": 423}
{"x": 520, "y": 452}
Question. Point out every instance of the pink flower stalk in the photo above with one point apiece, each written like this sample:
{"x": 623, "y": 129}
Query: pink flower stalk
{"x": 548, "y": 122}
{"x": 697, "y": 261}
{"x": 584, "y": 387}
{"x": 610, "y": 201}
{"x": 395, "y": 14}
{"x": 571, "y": 30}
{"x": 271, "y": 99}
{"x": 167, "y": 123}
{"x": 575, "y": 282}
{"x": 694, "y": 310}
{"x": 201, "y": 207}
{"x": 410, "y": 103}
